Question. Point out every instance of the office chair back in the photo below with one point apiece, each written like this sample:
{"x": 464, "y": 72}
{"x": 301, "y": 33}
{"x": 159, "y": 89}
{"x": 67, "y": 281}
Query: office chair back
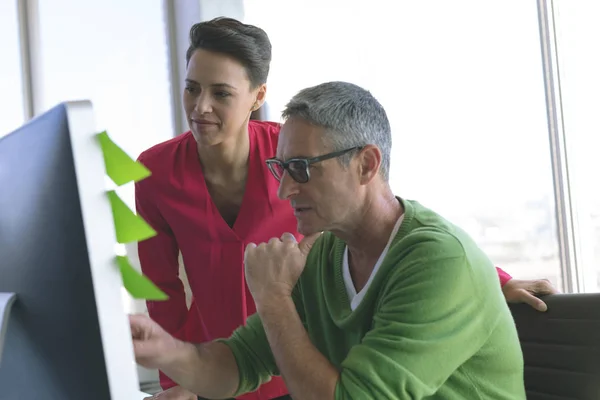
{"x": 561, "y": 347}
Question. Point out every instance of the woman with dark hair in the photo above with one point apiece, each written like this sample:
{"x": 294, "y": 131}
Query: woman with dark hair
{"x": 211, "y": 193}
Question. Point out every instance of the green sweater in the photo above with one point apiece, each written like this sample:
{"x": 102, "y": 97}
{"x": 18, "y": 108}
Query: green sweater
{"x": 433, "y": 324}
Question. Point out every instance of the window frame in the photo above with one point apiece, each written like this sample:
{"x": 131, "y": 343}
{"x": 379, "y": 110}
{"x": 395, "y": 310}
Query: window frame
{"x": 182, "y": 14}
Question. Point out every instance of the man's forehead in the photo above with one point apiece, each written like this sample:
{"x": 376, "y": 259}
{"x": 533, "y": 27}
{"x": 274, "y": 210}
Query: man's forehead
{"x": 298, "y": 138}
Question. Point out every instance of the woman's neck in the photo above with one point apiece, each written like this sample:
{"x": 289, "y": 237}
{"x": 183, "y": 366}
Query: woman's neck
{"x": 228, "y": 159}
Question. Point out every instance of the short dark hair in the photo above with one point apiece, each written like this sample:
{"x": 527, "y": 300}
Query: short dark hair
{"x": 248, "y": 44}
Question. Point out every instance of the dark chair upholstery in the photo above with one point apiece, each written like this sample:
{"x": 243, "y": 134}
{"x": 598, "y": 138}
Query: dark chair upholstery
{"x": 561, "y": 347}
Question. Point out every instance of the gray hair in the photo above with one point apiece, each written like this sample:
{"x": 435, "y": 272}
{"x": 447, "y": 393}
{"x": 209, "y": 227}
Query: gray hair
{"x": 351, "y": 116}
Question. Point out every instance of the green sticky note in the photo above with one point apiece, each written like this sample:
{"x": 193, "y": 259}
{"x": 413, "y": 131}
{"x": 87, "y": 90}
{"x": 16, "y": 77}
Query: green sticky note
{"x": 119, "y": 166}
{"x": 128, "y": 226}
{"x": 138, "y": 285}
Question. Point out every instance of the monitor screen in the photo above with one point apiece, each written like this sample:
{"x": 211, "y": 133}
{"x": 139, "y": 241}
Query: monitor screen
{"x": 67, "y": 335}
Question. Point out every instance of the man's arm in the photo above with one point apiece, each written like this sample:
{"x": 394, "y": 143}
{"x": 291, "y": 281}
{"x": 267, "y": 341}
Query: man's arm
{"x": 223, "y": 368}
{"x": 253, "y": 356}
{"x": 209, "y": 369}
{"x": 306, "y": 372}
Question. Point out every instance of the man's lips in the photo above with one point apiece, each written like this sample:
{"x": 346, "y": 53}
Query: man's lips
{"x": 301, "y": 210}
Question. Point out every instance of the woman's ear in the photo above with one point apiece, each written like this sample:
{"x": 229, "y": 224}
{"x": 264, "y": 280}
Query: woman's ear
{"x": 260, "y": 96}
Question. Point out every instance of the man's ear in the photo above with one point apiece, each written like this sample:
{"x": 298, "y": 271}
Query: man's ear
{"x": 369, "y": 163}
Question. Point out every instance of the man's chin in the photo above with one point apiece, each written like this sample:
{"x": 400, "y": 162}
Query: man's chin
{"x": 308, "y": 229}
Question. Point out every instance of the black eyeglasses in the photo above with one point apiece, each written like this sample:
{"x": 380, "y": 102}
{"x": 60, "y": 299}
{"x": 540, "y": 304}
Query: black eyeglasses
{"x": 298, "y": 168}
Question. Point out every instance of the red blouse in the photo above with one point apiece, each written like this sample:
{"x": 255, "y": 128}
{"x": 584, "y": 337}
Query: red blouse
{"x": 175, "y": 201}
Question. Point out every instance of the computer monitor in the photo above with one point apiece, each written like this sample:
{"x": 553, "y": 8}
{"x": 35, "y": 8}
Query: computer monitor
{"x": 67, "y": 335}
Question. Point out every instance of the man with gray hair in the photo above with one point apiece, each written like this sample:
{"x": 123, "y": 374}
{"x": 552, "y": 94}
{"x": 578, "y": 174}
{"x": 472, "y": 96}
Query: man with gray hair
{"x": 382, "y": 299}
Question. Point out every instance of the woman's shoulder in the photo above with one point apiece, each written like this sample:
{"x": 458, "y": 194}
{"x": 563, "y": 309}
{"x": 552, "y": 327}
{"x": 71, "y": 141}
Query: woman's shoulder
{"x": 265, "y": 127}
{"x": 266, "y": 134}
{"x": 166, "y": 149}
{"x": 164, "y": 158}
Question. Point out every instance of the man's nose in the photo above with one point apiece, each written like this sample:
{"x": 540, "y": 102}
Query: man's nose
{"x": 287, "y": 187}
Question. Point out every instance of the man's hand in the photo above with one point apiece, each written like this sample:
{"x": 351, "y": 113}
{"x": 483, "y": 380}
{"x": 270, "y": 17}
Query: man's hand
{"x": 152, "y": 345}
{"x": 521, "y": 291}
{"x": 174, "y": 393}
{"x": 272, "y": 269}
{"x": 209, "y": 369}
